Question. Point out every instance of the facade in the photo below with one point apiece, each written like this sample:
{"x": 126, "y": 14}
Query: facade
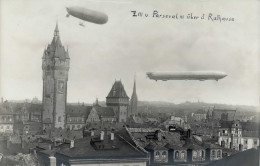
{"x": 223, "y": 114}
{"x": 133, "y": 102}
{"x": 76, "y": 116}
{"x": 238, "y": 135}
{"x": 6, "y": 122}
{"x": 55, "y": 66}
{"x": 118, "y": 100}
{"x": 199, "y": 117}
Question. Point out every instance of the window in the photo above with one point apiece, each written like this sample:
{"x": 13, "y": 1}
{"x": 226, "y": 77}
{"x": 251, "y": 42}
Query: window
{"x": 164, "y": 154}
{"x": 194, "y": 154}
{"x": 255, "y": 141}
{"x": 245, "y": 141}
{"x": 218, "y": 154}
{"x": 59, "y": 119}
{"x": 213, "y": 154}
{"x": 157, "y": 155}
{"x": 177, "y": 155}
{"x": 202, "y": 154}
{"x": 182, "y": 155}
{"x": 7, "y": 127}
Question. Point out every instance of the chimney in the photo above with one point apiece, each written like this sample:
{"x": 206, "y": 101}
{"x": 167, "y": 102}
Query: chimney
{"x": 71, "y": 143}
{"x": 52, "y": 161}
{"x": 92, "y": 133}
{"x": 159, "y": 135}
{"x": 112, "y": 136}
{"x": 102, "y": 133}
{"x": 241, "y": 147}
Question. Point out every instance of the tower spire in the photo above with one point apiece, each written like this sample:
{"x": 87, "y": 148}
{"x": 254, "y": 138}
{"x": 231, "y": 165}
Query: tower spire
{"x": 56, "y": 31}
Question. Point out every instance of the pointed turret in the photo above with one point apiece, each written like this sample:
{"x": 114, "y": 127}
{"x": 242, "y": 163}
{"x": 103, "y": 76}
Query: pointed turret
{"x": 133, "y": 101}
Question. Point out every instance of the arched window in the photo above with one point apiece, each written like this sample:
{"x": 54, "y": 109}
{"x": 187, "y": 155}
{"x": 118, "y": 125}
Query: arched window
{"x": 182, "y": 155}
{"x": 213, "y": 153}
{"x": 157, "y": 155}
{"x": 194, "y": 154}
{"x": 202, "y": 154}
{"x": 218, "y": 154}
{"x": 177, "y": 155}
{"x": 164, "y": 154}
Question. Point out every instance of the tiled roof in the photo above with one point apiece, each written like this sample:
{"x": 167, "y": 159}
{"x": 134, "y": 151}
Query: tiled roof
{"x": 226, "y": 124}
{"x": 155, "y": 146}
{"x": 250, "y": 126}
{"x": 140, "y": 137}
{"x": 254, "y": 134}
{"x": 78, "y": 110}
{"x": 105, "y": 111}
{"x": 117, "y": 91}
{"x": 192, "y": 144}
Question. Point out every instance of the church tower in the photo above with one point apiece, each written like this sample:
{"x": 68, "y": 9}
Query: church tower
{"x": 119, "y": 101}
{"x": 133, "y": 101}
{"x": 55, "y": 67}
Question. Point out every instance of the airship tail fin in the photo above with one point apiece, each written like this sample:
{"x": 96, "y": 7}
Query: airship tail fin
{"x": 67, "y": 15}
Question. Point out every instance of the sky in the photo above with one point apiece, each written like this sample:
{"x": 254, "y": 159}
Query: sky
{"x": 127, "y": 46}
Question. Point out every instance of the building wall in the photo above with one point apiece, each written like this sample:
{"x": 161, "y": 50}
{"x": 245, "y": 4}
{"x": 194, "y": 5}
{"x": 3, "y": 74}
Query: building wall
{"x": 122, "y": 113}
{"x": 250, "y": 142}
{"x": 75, "y": 126}
{"x": 6, "y": 128}
{"x": 114, "y": 164}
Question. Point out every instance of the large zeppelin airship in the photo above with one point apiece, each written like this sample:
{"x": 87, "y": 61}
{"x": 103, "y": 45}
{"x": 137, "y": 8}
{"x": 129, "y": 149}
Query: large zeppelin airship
{"x": 87, "y": 15}
{"x": 187, "y": 75}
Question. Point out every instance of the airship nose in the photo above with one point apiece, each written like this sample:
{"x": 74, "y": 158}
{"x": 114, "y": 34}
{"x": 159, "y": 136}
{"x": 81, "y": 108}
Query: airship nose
{"x": 224, "y": 75}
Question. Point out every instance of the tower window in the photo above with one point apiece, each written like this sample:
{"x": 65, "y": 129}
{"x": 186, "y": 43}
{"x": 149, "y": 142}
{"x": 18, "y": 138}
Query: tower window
{"x": 59, "y": 119}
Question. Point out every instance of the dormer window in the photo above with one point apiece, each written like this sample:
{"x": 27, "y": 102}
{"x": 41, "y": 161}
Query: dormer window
{"x": 157, "y": 155}
{"x": 164, "y": 155}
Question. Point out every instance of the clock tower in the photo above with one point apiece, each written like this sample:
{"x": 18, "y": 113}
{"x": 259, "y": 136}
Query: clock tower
{"x": 55, "y": 66}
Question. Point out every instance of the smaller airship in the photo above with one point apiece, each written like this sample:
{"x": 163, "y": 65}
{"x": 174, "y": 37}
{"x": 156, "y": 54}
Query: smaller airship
{"x": 87, "y": 15}
{"x": 187, "y": 75}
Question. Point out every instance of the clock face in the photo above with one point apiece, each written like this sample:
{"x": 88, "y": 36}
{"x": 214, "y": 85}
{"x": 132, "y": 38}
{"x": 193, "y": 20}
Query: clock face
{"x": 61, "y": 86}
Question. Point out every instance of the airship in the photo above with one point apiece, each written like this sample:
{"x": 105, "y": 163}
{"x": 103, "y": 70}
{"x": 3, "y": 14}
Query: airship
{"x": 87, "y": 15}
{"x": 187, "y": 75}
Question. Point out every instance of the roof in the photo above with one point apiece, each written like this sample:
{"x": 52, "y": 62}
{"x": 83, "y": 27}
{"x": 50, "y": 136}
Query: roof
{"x": 250, "y": 126}
{"x": 84, "y": 149}
{"x": 248, "y": 157}
{"x": 105, "y": 111}
{"x": 117, "y": 91}
{"x": 155, "y": 146}
{"x": 35, "y": 108}
{"x": 55, "y": 49}
{"x": 192, "y": 144}
{"x": 141, "y": 137}
{"x": 255, "y": 134}
{"x": 226, "y": 124}
{"x": 78, "y": 110}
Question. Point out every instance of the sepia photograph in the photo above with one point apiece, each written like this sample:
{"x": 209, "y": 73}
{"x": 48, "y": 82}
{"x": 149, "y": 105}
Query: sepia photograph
{"x": 129, "y": 83}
